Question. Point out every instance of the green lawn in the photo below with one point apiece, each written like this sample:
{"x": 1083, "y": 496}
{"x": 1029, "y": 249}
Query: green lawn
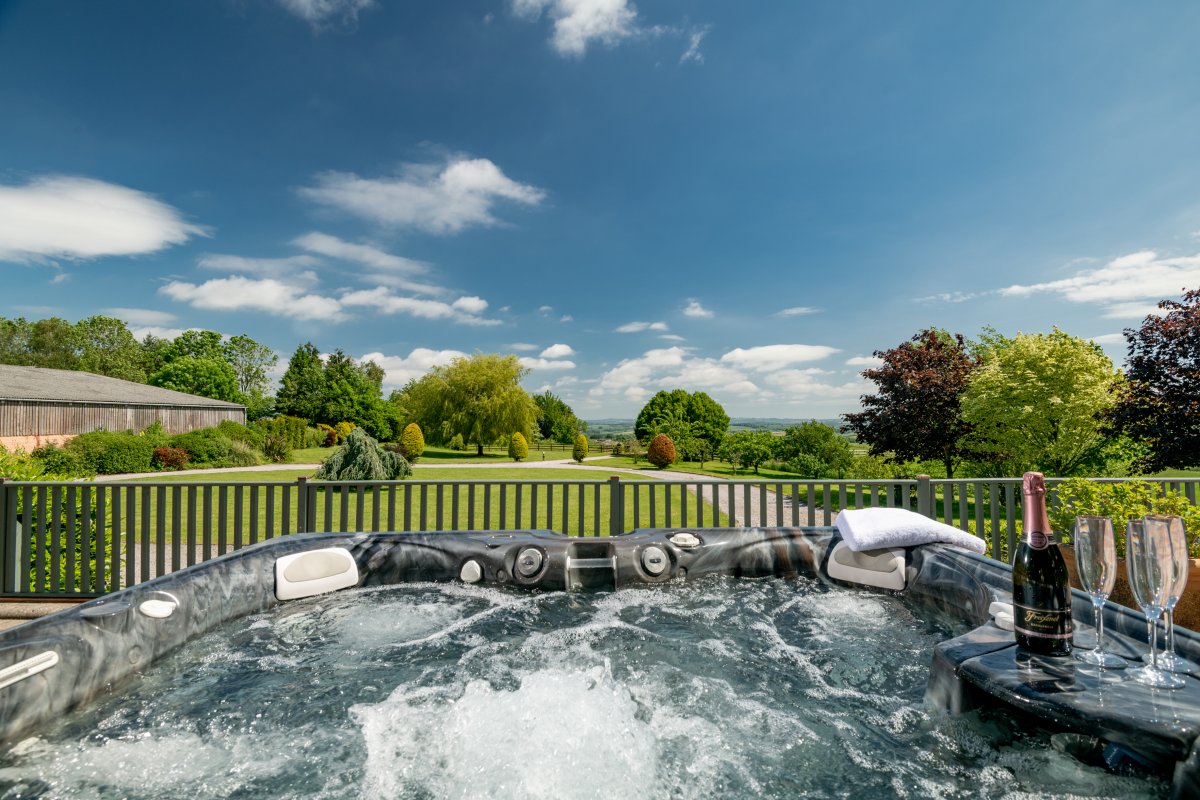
{"x": 715, "y": 469}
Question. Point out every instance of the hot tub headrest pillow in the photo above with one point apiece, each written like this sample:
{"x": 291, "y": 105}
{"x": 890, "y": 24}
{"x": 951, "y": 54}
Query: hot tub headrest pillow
{"x": 876, "y": 528}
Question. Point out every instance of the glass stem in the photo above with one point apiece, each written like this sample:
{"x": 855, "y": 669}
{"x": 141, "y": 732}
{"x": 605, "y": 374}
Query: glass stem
{"x": 1098, "y": 602}
{"x": 1171, "y": 630}
{"x": 1152, "y": 636}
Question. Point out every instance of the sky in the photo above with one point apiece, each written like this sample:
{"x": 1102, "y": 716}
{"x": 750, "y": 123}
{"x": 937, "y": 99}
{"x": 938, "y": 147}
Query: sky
{"x": 748, "y": 199}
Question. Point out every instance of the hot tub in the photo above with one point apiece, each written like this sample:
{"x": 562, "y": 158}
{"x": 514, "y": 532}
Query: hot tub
{"x": 529, "y": 664}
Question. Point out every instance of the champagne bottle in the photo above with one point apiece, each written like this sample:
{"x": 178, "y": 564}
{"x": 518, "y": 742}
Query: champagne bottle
{"x": 1041, "y": 596}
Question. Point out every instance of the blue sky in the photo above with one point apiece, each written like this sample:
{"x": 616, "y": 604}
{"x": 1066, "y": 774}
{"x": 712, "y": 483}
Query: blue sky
{"x": 744, "y": 198}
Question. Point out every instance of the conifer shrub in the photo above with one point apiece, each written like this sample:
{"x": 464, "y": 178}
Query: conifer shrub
{"x": 661, "y": 452}
{"x": 580, "y": 450}
{"x": 361, "y": 458}
{"x": 412, "y": 442}
{"x": 518, "y": 448}
{"x": 457, "y": 443}
{"x": 294, "y": 430}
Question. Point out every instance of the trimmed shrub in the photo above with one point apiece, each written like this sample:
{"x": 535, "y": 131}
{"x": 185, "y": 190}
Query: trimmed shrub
{"x": 294, "y": 430}
{"x": 237, "y": 432}
{"x": 518, "y": 448}
{"x": 110, "y": 453}
{"x": 362, "y": 459}
{"x": 60, "y": 460}
{"x": 580, "y": 450}
{"x": 661, "y": 452}
{"x": 343, "y": 430}
{"x": 206, "y": 447}
{"x": 275, "y": 448}
{"x": 314, "y": 437}
{"x": 457, "y": 443}
{"x": 171, "y": 458}
{"x": 412, "y": 442}
{"x": 156, "y": 434}
{"x": 1121, "y": 502}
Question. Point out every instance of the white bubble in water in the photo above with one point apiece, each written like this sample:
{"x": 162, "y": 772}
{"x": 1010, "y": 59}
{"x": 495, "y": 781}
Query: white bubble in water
{"x": 560, "y": 735}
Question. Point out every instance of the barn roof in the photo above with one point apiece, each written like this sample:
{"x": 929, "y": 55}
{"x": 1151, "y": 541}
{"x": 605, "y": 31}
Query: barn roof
{"x": 43, "y": 385}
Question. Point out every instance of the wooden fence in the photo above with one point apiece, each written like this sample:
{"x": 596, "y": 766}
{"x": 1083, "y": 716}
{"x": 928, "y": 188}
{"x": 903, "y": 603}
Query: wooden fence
{"x": 84, "y": 539}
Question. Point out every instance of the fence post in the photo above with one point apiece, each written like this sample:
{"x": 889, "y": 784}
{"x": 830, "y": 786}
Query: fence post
{"x": 302, "y": 521}
{"x": 8, "y": 541}
{"x": 616, "y": 511}
{"x": 925, "y": 505}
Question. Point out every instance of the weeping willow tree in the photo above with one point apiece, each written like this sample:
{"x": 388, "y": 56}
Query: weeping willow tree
{"x": 361, "y": 458}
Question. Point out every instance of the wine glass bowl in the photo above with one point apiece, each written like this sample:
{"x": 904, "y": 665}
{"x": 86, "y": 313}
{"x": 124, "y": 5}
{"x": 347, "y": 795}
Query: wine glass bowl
{"x": 1152, "y": 578}
{"x": 1180, "y": 562}
{"x": 1096, "y": 563}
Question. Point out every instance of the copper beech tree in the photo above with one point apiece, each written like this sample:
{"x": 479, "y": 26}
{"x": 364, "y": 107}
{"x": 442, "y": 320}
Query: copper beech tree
{"x": 1159, "y": 401}
{"x": 916, "y": 413}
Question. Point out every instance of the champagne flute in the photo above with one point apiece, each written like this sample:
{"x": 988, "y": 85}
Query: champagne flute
{"x": 1151, "y": 577}
{"x": 1168, "y": 659}
{"x": 1096, "y": 559}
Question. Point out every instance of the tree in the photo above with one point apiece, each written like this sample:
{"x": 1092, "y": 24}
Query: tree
{"x": 556, "y": 421}
{"x": 251, "y": 361}
{"x": 704, "y": 416}
{"x": 207, "y": 377}
{"x": 106, "y": 347}
{"x": 303, "y": 384}
{"x": 580, "y": 449}
{"x": 1036, "y": 400}
{"x": 1159, "y": 402}
{"x": 478, "y": 397}
{"x": 812, "y": 443}
{"x": 518, "y": 448}
{"x": 195, "y": 343}
{"x": 661, "y": 452}
{"x": 917, "y": 410}
{"x": 746, "y": 448}
{"x": 412, "y": 442}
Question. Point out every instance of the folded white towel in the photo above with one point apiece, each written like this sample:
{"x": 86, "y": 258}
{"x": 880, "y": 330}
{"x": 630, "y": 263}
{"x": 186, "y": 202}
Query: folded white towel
{"x": 876, "y": 528}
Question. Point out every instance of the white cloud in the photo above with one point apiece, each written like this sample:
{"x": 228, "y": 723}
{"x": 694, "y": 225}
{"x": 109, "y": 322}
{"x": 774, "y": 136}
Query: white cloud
{"x": 797, "y": 311}
{"x": 269, "y": 295}
{"x": 546, "y": 363}
{"x": 141, "y": 316}
{"x": 638, "y": 327}
{"x": 273, "y": 267}
{"x": 864, "y": 361}
{"x": 470, "y": 305}
{"x": 566, "y": 318}
{"x": 463, "y": 310}
{"x": 157, "y": 332}
{"x": 401, "y": 369}
{"x": 77, "y": 218}
{"x": 694, "y": 309}
{"x": 693, "y": 53}
{"x": 577, "y": 23}
{"x": 332, "y": 246}
{"x": 1120, "y": 284}
{"x": 1109, "y": 338}
{"x": 557, "y": 351}
{"x": 811, "y": 383}
{"x": 671, "y": 337}
{"x": 545, "y": 309}
{"x": 443, "y": 199}
{"x": 319, "y": 12}
{"x": 522, "y": 347}
{"x": 775, "y": 356}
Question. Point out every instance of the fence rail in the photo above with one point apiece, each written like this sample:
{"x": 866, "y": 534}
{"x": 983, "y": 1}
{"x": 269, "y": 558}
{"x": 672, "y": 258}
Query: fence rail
{"x": 86, "y": 539}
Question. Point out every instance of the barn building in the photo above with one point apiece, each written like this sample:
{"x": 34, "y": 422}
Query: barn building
{"x": 39, "y": 406}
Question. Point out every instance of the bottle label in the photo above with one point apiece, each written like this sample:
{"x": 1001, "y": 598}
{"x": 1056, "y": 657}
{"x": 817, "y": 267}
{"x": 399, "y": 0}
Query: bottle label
{"x": 1037, "y": 540}
{"x": 1042, "y": 623}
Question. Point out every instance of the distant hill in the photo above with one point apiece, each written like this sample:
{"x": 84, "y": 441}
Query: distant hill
{"x": 614, "y": 428}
